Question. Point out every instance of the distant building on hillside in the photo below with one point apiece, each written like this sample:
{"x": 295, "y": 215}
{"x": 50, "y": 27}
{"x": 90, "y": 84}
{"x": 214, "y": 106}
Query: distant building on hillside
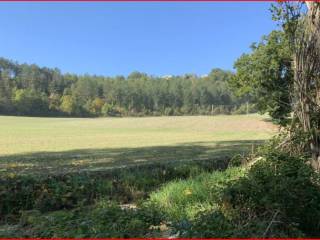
{"x": 167, "y": 76}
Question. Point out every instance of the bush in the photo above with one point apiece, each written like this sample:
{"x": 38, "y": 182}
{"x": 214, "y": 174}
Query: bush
{"x": 279, "y": 185}
{"x": 168, "y": 111}
{"x": 277, "y": 197}
{"x": 102, "y": 220}
{"x": 206, "y": 225}
{"x": 109, "y": 110}
{"x": 236, "y": 161}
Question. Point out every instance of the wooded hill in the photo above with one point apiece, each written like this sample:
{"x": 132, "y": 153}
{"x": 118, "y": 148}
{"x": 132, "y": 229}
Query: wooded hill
{"x": 40, "y": 91}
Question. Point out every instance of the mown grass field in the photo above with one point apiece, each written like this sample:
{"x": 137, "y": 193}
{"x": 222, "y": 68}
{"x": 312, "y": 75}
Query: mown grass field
{"x": 59, "y": 145}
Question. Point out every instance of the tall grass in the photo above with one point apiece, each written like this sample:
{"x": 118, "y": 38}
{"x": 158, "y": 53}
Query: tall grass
{"x": 184, "y": 199}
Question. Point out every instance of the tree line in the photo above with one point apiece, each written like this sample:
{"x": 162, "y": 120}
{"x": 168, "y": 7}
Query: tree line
{"x": 39, "y": 91}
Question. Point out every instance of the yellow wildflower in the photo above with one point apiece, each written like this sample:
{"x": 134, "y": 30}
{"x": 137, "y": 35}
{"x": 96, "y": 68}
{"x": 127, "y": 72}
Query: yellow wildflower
{"x": 187, "y": 192}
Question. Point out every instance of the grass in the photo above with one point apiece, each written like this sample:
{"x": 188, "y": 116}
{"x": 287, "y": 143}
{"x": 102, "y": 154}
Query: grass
{"x": 185, "y": 199}
{"x": 61, "y": 145}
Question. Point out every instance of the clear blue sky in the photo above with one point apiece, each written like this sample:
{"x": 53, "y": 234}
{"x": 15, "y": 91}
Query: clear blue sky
{"x": 118, "y": 38}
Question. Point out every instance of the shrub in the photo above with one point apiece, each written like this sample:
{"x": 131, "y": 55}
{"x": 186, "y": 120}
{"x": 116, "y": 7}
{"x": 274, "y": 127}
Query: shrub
{"x": 279, "y": 185}
{"x": 168, "y": 111}
{"x": 104, "y": 219}
{"x": 278, "y": 196}
{"x": 236, "y": 160}
{"x": 207, "y": 225}
{"x": 109, "y": 110}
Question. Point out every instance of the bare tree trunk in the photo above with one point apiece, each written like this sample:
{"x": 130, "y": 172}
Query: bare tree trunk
{"x": 314, "y": 15}
{"x": 307, "y": 80}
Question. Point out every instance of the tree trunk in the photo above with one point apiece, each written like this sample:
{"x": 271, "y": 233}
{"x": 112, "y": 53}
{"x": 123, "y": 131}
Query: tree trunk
{"x": 307, "y": 80}
{"x": 314, "y": 15}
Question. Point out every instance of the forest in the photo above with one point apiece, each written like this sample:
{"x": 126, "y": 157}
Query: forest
{"x": 34, "y": 91}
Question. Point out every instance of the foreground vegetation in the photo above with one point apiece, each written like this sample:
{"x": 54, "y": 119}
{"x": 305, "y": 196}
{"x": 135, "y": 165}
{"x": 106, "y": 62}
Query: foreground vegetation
{"x": 248, "y": 199}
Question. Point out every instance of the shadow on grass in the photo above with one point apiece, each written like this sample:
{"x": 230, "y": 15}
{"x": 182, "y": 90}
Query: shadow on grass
{"x": 108, "y": 158}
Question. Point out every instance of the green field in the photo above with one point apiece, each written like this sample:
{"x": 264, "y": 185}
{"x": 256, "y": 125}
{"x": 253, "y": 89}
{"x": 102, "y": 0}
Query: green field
{"x": 59, "y": 145}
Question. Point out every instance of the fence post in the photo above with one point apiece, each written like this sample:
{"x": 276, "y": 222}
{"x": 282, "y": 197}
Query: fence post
{"x": 247, "y": 107}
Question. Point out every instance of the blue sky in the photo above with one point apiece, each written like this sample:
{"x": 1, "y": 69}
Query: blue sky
{"x": 118, "y": 38}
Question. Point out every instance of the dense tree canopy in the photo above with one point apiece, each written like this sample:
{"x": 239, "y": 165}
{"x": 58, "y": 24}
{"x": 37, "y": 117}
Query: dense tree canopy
{"x": 266, "y": 74}
{"x": 32, "y": 90}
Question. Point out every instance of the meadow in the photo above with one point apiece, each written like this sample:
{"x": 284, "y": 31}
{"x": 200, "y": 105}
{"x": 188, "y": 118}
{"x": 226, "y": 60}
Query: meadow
{"x": 59, "y": 145}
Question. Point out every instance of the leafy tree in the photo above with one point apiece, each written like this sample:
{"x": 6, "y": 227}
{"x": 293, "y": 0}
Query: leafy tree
{"x": 30, "y": 102}
{"x": 266, "y": 75}
{"x": 68, "y": 105}
{"x": 54, "y": 102}
{"x": 96, "y": 106}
